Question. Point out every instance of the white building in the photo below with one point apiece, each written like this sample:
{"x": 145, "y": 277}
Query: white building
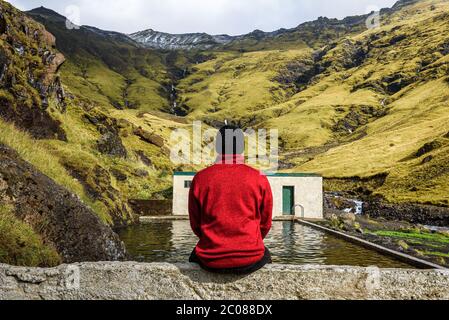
{"x": 298, "y": 194}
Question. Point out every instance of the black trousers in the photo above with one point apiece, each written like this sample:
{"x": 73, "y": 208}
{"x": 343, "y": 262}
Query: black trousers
{"x": 236, "y": 271}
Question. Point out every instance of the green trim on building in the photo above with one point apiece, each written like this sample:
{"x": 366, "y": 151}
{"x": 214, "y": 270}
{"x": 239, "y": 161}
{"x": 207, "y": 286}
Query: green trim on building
{"x": 184, "y": 174}
{"x": 294, "y": 175}
{"x": 279, "y": 175}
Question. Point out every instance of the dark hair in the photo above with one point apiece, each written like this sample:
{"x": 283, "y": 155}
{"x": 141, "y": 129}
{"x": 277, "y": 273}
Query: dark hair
{"x": 230, "y": 140}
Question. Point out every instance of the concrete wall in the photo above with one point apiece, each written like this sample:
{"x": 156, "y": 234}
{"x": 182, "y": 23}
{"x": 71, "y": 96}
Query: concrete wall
{"x": 181, "y": 195}
{"x": 151, "y": 207}
{"x": 308, "y": 193}
{"x": 108, "y": 281}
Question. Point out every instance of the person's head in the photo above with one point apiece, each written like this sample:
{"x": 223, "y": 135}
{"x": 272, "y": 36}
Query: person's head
{"x": 230, "y": 140}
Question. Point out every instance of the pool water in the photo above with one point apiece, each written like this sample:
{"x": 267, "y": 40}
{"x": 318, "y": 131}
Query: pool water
{"x": 289, "y": 243}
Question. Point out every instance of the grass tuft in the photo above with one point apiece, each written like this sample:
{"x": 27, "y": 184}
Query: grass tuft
{"x": 20, "y": 245}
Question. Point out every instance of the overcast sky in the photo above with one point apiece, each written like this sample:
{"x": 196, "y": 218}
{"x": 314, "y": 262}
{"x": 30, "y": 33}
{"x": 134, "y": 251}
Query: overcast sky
{"x": 212, "y": 16}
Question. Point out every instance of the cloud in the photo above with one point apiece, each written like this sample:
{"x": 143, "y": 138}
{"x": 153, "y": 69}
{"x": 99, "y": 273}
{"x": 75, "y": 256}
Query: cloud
{"x": 215, "y": 17}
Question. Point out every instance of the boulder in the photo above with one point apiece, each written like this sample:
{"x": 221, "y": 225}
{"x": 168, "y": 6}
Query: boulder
{"x": 152, "y": 138}
{"x": 348, "y": 218}
{"x": 141, "y": 173}
{"x": 403, "y": 245}
{"x": 111, "y": 144}
{"x": 358, "y": 228}
{"x": 427, "y": 159}
{"x": 120, "y": 176}
{"x": 142, "y": 156}
{"x": 57, "y": 215}
{"x": 428, "y": 147}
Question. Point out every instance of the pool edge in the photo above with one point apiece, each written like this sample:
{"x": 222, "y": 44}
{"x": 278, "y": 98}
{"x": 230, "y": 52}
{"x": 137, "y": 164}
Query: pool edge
{"x": 413, "y": 261}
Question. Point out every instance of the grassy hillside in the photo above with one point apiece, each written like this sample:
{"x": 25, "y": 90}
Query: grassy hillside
{"x": 367, "y": 108}
{"x": 115, "y": 131}
{"x": 407, "y": 70}
{"x": 315, "y": 34}
{"x": 374, "y": 103}
{"x": 236, "y": 86}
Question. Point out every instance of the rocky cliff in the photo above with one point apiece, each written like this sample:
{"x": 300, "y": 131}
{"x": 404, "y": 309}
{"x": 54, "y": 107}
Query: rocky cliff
{"x": 39, "y": 212}
{"x": 29, "y": 62}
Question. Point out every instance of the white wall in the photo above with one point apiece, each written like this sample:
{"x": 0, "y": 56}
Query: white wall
{"x": 308, "y": 193}
{"x": 181, "y": 195}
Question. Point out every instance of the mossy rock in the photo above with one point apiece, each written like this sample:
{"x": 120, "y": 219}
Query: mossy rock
{"x": 403, "y": 245}
{"x": 20, "y": 245}
{"x": 111, "y": 144}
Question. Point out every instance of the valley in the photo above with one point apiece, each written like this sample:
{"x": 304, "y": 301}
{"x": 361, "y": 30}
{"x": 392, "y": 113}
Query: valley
{"x": 366, "y": 108}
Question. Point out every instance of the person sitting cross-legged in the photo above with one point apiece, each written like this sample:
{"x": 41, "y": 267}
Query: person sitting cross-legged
{"x": 230, "y": 208}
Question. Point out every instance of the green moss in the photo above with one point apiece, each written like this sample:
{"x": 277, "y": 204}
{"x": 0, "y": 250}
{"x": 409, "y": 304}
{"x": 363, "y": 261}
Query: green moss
{"x": 6, "y": 97}
{"x": 21, "y": 246}
{"x": 426, "y": 243}
{"x": 431, "y": 237}
{"x": 39, "y": 154}
{"x": 403, "y": 244}
{"x": 436, "y": 254}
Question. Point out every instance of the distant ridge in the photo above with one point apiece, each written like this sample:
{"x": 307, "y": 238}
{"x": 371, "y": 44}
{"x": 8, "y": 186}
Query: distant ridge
{"x": 150, "y": 38}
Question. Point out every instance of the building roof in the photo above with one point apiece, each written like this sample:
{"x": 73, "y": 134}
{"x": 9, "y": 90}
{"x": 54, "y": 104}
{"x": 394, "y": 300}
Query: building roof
{"x": 280, "y": 175}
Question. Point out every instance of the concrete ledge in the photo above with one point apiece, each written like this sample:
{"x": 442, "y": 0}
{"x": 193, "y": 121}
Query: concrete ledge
{"x": 413, "y": 261}
{"x": 114, "y": 280}
{"x": 150, "y": 219}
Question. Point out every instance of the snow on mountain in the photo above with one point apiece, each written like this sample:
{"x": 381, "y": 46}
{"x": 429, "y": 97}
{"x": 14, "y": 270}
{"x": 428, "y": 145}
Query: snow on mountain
{"x": 162, "y": 40}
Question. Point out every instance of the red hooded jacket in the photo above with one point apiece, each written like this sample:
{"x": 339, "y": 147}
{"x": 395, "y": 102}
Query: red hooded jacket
{"x": 230, "y": 208}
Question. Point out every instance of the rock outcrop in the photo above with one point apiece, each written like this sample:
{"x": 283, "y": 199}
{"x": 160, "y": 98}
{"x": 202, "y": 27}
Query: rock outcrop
{"x": 413, "y": 213}
{"x": 134, "y": 281}
{"x": 111, "y": 144}
{"x": 57, "y": 215}
{"x": 28, "y": 66}
{"x": 151, "y": 138}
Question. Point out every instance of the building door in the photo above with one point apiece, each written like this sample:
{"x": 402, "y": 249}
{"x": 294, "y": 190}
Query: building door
{"x": 288, "y": 200}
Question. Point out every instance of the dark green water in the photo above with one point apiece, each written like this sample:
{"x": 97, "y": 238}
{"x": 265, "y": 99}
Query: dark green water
{"x": 289, "y": 243}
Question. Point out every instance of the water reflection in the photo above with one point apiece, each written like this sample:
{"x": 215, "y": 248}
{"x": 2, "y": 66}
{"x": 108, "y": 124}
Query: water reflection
{"x": 290, "y": 243}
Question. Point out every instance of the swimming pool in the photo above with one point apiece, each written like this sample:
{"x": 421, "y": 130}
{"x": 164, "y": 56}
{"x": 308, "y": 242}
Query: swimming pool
{"x": 289, "y": 243}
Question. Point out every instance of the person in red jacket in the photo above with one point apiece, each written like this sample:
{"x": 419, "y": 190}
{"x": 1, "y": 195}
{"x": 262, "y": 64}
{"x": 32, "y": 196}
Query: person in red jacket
{"x": 230, "y": 208}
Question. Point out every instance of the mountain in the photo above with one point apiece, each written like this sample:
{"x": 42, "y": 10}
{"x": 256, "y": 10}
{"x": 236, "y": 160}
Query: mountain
{"x": 322, "y": 29}
{"x": 160, "y": 40}
{"x": 256, "y": 40}
{"x": 315, "y": 33}
{"x": 366, "y": 109}
{"x": 352, "y": 80}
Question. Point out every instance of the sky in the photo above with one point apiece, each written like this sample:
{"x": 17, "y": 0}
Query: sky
{"x": 233, "y": 17}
